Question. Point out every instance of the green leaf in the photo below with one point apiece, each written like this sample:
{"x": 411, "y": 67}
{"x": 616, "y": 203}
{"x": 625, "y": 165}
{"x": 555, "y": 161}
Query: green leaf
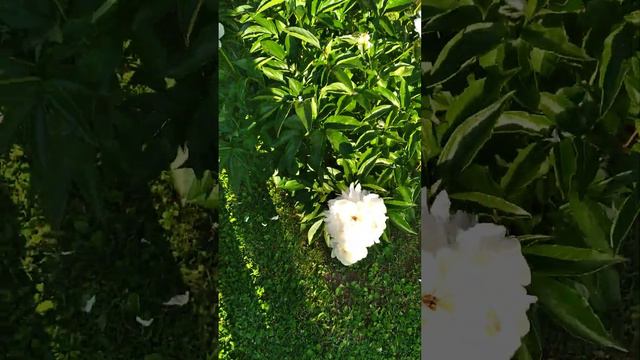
{"x": 339, "y": 142}
{"x": 102, "y": 10}
{"x": 388, "y": 95}
{"x": 292, "y": 185}
{"x": 571, "y": 253}
{"x": 555, "y": 106}
{"x": 273, "y": 48}
{"x": 336, "y": 87}
{"x": 307, "y": 112}
{"x": 303, "y": 35}
{"x": 397, "y": 5}
{"x": 612, "y": 70}
{"x": 45, "y": 306}
{"x": 268, "y": 4}
{"x": 628, "y": 215}
{"x": 520, "y": 121}
{"x": 572, "y": 310}
{"x": 491, "y": 202}
{"x": 591, "y": 220}
{"x": 472, "y": 41}
{"x": 313, "y": 230}
{"x": 468, "y": 138}
{"x": 531, "y": 239}
{"x": 552, "y": 39}
{"x": 342, "y": 121}
{"x": 454, "y": 19}
{"x": 398, "y": 219}
{"x": 526, "y": 167}
{"x": 565, "y": 165}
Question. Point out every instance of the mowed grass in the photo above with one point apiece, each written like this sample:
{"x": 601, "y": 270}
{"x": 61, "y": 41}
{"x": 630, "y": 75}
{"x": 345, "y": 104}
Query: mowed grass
{"x": 281, "y": 298}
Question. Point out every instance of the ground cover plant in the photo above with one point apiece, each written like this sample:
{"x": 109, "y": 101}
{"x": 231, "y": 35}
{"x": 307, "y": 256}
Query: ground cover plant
{"x": 532, "y": 113}
{"x": 315, "y": 96}
{"x": 99, "y": 227}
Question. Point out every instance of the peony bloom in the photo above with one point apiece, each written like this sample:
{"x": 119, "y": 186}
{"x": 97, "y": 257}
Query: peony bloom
{"x": 220, "y": 34}
{"x": 417, "y": 22}
{"x": 355, "y": 220}
{"x": 474, "y": 304}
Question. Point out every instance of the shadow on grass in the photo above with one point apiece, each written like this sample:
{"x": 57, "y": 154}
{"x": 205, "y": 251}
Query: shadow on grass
{"x": 23, "y": 332}
{"x": 284, "y": 298}
{"x": 260, "y": 286}
{"x": 131, "y": 267}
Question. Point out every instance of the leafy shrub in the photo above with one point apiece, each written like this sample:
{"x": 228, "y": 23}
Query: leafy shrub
{"x": 531, "y": 115}
{"x": 101, "y": 92}
{"x": 334, "y": 95}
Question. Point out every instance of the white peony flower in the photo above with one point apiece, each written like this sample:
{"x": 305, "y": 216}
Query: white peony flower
{"x": 473, "y": 295}
{"x": 220, "y": 34}
{"x": 355, "y": 220}
{"x": 417, "y": 22}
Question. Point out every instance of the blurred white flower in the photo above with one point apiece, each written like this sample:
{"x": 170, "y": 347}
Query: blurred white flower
{"x": 439, "y": 228}
{"x": 364, "y": 42}
{"x": 178, "y": 300}
{"x": 88, "y": 306}
{"x": 355, "y": 220}
{"x": 513, "y": 8}
{"x": 144, "y": 322}
{"x": 417, "y": 22}
{"x": 474, "y": 303}
{"x": 220, "y": 34}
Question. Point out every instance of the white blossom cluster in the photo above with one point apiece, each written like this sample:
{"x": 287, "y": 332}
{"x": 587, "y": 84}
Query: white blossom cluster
{"x": 355, "y": 220}
{"x": 474, "y": 301}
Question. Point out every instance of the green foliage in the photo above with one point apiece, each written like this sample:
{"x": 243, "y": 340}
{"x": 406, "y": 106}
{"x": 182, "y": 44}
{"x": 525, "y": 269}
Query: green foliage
{"x": 331, "y": 90}
{"x": 532, "y": 122}
{"x": 155, "y": 248}
{"x": 281, "y": 297}
{"x": 105, "y": 91}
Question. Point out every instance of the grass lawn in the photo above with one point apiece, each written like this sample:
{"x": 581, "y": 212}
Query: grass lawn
{"x": 281, "y": 298}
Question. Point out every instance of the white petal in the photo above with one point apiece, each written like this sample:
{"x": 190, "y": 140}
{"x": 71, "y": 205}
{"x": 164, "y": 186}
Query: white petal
{"x": 143, "y": 322}
{"x": 178, "y": 300}
{"x": 88, "y": 306}
{"x": 440, "y": 206}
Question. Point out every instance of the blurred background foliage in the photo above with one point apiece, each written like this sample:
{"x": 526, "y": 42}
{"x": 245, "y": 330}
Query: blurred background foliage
{"x": 532, "y": 114}
{"x": 96, "y": 98}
